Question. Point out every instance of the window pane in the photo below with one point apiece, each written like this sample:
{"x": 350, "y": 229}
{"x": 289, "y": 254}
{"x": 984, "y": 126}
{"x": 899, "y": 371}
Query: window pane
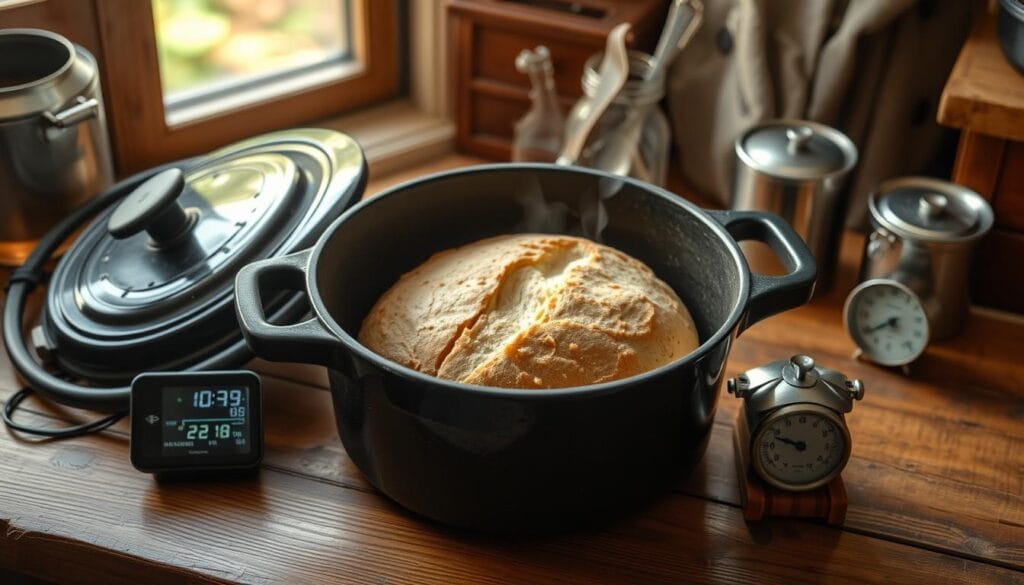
{"x": 210, "y": 46}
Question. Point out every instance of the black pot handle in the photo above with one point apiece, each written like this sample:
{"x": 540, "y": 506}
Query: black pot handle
{"x": 306, "y": 342}
{"x": 770, "y": 295}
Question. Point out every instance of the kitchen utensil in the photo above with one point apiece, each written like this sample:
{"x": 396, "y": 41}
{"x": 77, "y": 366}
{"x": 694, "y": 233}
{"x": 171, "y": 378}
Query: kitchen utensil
{"x": 510, "y": 459}
{"x": 54, "y": 151}
{"x": 924, "y": 232}
{"x": 613, "y": 73}
{"x": 148, "y": 286}
{"x": 1011, "y": 31}
{"x": 683, "y": 20}
{"x": 651, "y": 146}
{"x": 538, "y": 134}
{"x": 795, "y": 411}
{"x": 796, "y": 168}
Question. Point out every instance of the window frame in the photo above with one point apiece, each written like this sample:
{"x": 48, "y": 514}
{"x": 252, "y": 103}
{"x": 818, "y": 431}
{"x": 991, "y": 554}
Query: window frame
{"x": 137, "y": 120}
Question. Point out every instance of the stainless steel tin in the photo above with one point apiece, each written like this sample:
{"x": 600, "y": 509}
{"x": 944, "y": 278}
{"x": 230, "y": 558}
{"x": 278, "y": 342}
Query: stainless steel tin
{"x": 54, "y": 150}
{"x": 796, "y": 169}
{"x": 924, "y": 232}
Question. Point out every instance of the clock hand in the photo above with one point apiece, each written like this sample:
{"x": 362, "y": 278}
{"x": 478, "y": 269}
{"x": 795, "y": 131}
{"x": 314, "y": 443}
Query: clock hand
{"x": 890, "y": 322}
{"x": 800, "y": 445}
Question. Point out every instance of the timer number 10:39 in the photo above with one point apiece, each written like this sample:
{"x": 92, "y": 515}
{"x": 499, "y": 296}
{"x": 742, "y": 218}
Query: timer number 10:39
{"x": 210, "y": 398}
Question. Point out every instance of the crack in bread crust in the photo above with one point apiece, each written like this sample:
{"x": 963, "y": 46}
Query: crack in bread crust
{"x": 530, "y": 311}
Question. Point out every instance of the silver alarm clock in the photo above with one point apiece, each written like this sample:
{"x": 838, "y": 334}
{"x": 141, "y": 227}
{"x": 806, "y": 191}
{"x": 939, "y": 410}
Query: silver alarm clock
{"x": 795, "y": 412}
{"x": 915, "y": 269}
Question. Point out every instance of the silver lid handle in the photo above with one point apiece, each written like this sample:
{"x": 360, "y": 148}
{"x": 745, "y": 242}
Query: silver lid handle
{"x": 82, "y": 110}
{"x": 932, "y": 205}
{"x": 798, "y": 138}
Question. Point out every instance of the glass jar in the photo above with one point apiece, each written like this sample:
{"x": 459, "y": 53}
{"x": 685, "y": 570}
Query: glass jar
{"x": 637, "y": 98}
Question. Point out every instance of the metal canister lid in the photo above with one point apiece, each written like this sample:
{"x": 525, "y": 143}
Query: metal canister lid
{"x": 796, "y": 149}
{"x": 922, "y": 208}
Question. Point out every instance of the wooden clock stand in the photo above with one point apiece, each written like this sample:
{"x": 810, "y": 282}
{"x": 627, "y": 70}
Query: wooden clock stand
{"x": 760, "y": 500}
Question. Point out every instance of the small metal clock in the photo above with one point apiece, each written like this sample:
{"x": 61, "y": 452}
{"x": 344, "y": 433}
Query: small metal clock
{"x": 887, "y": 321}
{"x": 914, "y": 273}
{"x": 794, "y": 410}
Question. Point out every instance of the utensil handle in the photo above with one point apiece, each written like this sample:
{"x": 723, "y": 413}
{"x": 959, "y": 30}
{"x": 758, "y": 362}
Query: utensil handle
{"x": 683, "y": 20}
{"x": 82, "y": 110}
{"x": 306, "y": 342}
{"x": 770, "y": 295}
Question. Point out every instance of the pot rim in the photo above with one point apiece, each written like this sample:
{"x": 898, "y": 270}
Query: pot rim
{"x": 352, "y": 344}
{"x": 76, "y": 76}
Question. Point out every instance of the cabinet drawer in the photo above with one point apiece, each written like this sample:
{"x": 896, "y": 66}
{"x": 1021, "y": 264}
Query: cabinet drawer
{"x": 496, "y": 51}
{"x": 996, "y": 279}
{"x": 1008, "y": 202}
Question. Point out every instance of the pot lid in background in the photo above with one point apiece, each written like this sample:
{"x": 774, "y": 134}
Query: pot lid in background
{"x": 149, "y": 284}
{"x": 796, "y": 149}
{"x": 922, "y": 208}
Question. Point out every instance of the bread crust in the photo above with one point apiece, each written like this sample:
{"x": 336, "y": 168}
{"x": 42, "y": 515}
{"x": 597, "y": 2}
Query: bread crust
{"x": 530, "y": 311}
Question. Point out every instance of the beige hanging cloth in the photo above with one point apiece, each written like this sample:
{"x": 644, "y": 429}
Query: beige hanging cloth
{"x": 872, "y": 68}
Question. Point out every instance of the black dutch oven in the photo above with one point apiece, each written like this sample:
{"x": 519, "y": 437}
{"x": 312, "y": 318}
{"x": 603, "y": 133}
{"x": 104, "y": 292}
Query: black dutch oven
{"x": 508, "y": 459}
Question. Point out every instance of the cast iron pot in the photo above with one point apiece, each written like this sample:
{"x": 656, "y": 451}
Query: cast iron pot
{"x": 507, "y": 459}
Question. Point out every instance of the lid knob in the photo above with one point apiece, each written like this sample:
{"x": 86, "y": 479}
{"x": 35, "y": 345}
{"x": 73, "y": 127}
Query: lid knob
{"x": 802, "y": 364}
{"x": 153, "y": 206}
{"x": 932, "y": 205}
{"x": 797, "y": 138}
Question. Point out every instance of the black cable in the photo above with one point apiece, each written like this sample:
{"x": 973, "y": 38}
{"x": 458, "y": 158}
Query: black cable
{"x": 22, "y": 282}
{"x": 7, "y": 414}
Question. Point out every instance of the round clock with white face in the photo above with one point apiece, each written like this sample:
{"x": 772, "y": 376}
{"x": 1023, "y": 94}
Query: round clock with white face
{"x": 800, "y": 447}
{"x": 887, "y": 322}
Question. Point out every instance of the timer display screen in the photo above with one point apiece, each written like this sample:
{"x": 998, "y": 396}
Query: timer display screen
{"x": 185, "y": 422}
{"x": 201, "y": 420}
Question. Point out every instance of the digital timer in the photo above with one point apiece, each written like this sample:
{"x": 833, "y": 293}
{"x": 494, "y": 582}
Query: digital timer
{"x": 196, "y": 421}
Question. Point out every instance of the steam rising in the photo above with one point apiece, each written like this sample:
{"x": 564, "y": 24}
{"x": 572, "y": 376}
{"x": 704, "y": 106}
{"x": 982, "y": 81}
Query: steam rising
{"x": 546, "y": 216}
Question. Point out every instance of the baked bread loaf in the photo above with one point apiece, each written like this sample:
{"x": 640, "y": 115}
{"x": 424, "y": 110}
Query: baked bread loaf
{"x": 530, "y": 311}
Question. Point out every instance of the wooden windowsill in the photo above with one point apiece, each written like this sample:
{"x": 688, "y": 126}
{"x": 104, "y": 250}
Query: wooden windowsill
{"x": 395, "y": 135}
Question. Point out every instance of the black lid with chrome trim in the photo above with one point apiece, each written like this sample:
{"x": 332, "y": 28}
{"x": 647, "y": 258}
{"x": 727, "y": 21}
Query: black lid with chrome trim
{"x": 148, "y": 285}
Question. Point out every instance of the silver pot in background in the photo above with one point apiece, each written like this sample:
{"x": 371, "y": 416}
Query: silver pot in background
{"x": 796, "y": 169}
{"x": 924, "y": 232}
{"x": 54, "y": 150}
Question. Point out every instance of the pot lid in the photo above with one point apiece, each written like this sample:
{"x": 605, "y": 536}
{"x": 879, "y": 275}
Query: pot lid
{"x": 153, "y": 277}
{"x": 796, "y": 149}
{"x": 40, "y": 71}
{"x": 920, "y": 208}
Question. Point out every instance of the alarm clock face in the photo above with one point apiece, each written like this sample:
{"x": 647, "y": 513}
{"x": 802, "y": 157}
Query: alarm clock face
{"x": 887, "y": 322}
{"x": 800, "y": 447}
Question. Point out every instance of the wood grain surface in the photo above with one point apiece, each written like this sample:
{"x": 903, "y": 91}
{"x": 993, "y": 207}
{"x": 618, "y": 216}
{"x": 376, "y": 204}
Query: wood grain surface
{"x": 984, "y": 92}
{"x": 935, "y": 487}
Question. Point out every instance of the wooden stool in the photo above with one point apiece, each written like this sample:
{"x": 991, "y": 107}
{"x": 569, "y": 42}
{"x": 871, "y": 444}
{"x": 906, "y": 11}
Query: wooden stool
{"x": 761, "y": 500}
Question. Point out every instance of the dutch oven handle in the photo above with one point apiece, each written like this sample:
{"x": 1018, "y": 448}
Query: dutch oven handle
{"x": 770, "y": 295}
{"x": 305, "y": 342}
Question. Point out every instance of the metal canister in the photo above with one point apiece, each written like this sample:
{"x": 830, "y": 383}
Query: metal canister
{"x": 54, "y": 149}
{"x": 796, "y": 169}
{"x": 924, "y": 232}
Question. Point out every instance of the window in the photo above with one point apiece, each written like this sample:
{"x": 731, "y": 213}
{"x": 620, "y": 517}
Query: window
{"x": 182, "y": 77}
{"x": 217, "y": 53}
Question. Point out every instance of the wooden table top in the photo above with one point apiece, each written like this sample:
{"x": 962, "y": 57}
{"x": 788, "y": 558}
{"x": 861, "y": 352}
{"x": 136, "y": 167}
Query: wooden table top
{"x": 935, "y": 482}
{"x": 984, "y": 93}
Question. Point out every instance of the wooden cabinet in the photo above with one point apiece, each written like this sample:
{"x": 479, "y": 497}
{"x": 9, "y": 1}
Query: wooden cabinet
{"x": 984, "y": 97}
{"x": 490, "y": 95}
